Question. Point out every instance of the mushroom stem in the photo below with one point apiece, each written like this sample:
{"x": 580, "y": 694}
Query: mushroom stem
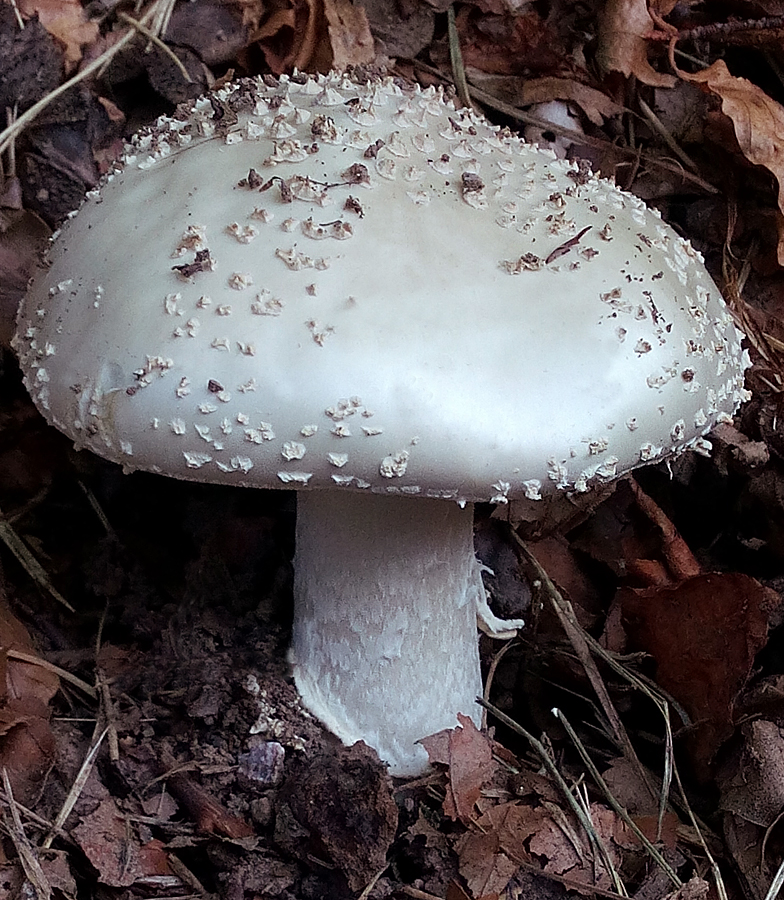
{"x": 385, "y": 647}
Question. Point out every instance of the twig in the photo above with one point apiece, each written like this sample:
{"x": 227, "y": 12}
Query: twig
{"x": 19, "y": 19}
{"x": 415, "y": 893}
{"x": 655, "y": 122}
{"x": 372, "y": 883}
{"x": 490, "y": 675}
{"x": 724, "y": 32}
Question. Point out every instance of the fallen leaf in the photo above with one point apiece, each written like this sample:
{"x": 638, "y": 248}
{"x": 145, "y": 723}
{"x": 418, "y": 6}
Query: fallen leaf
{"x": 67, "y": 21}
{"x": 349, "y": 34}
{"x": 510, "y": 45}
{"x": 758, "y": 121}
{"x": 24, "y": 681}
{"x": 27, "y": 747}
{"x": 623, "y": 45}
{"x": 754, "y": 789}
{"x": 468, "y": 754}
{"x": 703, "y": 634}
{"x": 596, "y": 105}
{"x": 109, "y": 844}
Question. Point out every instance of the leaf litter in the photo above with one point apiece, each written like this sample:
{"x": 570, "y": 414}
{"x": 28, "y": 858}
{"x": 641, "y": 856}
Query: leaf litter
{"x": 152, "y": 744}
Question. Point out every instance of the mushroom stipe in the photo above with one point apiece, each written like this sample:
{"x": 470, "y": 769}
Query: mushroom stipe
{"x": 358, "y": 291}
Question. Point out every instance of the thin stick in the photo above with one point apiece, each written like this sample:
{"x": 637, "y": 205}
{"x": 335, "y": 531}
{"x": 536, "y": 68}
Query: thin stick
{"x": 30, "y": 564}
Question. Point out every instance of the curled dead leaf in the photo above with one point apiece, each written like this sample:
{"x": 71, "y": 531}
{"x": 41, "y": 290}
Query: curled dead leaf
{"x": 315, "y": 35}
{"x": 468, "y": 754}
{"x": 758, "y": 121}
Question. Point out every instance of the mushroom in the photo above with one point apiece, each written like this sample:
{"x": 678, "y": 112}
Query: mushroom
{"x": 362, "y": 293}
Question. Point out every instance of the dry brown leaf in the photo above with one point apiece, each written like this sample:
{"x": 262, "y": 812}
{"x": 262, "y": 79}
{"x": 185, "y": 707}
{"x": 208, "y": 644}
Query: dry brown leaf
{"x": 623, "y": 28}
{"x": 27, "y": 747}
{"x": 510, "y": 45}
{"x": 109, "y": 844}
{"x": 349, "y": 34}
{"x": 754, "y": 789}
{"x": 484, "y": 866}
{"x": 290, "y": 34}
{"x": 469, "y": 755}
{"x": 315, "y": 35}
{"x": 703, "y": 633}
{"x": 758, "y": 121}
{"x": 22, "y": 682}
{"x": 596, "y": 105}
{"x": 67, "y": 21}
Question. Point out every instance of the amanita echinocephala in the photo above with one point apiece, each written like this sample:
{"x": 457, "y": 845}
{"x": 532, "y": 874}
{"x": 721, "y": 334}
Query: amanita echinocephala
{"x": 362, "y": 293}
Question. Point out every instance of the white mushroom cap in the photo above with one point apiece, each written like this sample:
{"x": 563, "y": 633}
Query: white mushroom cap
{"x": 469, "y": 319}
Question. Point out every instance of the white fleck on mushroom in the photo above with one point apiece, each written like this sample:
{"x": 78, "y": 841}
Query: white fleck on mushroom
{"x": 387, "y": 589}
{"x": 293, "y": 450}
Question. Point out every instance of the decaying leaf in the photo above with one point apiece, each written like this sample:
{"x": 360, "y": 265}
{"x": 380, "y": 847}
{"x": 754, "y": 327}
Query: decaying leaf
{"x": 315, "y": 35}
{"x": 623, "y": 45}
{"x": 67, "y": 21}
{"x": 758, "y": 121}
{"x": 596, "y": 105}
{"x": 754, "y": 789}
{"x": 27, "y": 746}
{"x": 541, "y": 836}
{"x": 349, "y": 34}
{"x": 703, "y": 633}
{"x": 468, "y": 754}
{"x": 109, "y": 844}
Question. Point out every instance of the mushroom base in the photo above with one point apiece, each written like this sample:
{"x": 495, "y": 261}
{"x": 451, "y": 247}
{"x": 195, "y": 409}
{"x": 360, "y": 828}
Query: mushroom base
{"x": 384, "y": 645}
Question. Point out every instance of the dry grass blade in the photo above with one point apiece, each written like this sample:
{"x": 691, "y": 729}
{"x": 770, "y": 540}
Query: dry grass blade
{"x": 28, "y": 855}
{"x": 721, "y": 889}
{"x": 602, "y": 785}
{"x": 30, "y": 564}
{"x": 777, "y": 883}
{"x": 76, "y": 789}
{"x": 540, "y": 750}
{"x": 579, "y": 641}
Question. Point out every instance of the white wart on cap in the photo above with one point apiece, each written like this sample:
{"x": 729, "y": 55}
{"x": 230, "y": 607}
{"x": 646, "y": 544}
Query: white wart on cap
{"x": 358, "y": 289}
